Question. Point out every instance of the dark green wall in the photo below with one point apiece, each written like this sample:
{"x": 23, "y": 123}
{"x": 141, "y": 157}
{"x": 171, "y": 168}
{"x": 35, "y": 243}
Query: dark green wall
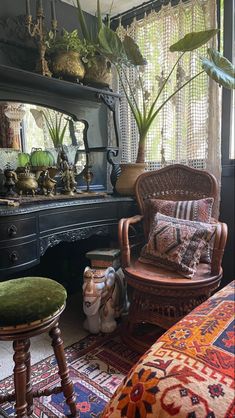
{"x": 66, "y": 14}
{"x": 66, "y": 17}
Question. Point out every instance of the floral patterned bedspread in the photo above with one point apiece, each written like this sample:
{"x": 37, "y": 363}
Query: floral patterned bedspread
{"x": 188, "y": 372}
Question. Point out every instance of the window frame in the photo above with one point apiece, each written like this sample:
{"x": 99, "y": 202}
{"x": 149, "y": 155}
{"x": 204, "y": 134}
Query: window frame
{"x": 228, "y": 164}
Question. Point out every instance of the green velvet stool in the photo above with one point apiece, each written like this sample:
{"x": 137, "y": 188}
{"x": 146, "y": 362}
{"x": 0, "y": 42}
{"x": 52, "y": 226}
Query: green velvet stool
{"x": 30, "y": 306}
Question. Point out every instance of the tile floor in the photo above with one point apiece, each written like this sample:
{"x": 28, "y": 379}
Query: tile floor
{"x": 71, "y": 328}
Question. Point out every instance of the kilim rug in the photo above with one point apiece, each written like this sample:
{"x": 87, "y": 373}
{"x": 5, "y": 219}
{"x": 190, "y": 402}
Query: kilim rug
{"x": 97, "y": 365}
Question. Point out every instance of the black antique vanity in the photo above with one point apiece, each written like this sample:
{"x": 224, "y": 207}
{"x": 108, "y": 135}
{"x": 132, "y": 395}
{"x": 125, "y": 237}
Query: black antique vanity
{"x": 28, "y": 230}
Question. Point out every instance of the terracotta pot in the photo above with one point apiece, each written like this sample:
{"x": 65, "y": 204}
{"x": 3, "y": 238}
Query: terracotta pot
{"x": 99, "y": 72}
{"x": 68, "y": 65}
{"x": 126, "y": 181}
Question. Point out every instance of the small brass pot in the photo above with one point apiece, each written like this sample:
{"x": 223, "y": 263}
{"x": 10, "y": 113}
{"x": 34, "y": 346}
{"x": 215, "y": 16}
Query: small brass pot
{"x": 99, "y": 71}
{"x": 67, "y": 64}
{"x": 26, "y": 183}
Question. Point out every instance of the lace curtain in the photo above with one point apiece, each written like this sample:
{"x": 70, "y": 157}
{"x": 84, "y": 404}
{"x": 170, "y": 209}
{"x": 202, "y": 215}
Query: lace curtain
{"x": 187, "y": 129}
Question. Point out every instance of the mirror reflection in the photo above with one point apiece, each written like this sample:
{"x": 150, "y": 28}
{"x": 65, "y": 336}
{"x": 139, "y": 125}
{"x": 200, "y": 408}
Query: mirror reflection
{"x": 25, "y": 128}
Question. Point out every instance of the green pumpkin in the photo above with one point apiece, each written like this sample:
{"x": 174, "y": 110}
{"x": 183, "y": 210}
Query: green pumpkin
{"x": 23, "y": 159}
{"x": 40, "y": 158}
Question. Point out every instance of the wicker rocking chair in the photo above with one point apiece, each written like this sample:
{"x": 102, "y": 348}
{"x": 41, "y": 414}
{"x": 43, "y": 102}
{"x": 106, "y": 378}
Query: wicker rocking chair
{"x": 157, "y": 295}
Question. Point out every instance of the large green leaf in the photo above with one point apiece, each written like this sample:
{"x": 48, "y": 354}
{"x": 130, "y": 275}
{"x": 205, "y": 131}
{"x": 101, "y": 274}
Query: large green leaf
{"x": 82, "y": 22}
{"x": 193, "y": 40}
{"x": 99, "y": 17}
{"x": 219, "y": 69}
{"x": 133, "y": 53}
{"x": 111, "y": 45}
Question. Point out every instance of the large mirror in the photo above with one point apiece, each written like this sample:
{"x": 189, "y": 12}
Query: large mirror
{"x": 24, "y": 127}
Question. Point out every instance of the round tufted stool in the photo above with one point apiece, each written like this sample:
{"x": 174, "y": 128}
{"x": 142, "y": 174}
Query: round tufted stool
{"x": 30, "y": 306}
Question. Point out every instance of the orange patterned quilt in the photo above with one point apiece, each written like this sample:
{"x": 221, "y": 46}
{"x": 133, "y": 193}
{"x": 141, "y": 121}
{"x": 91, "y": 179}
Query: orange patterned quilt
{"x": 188, "y": 372}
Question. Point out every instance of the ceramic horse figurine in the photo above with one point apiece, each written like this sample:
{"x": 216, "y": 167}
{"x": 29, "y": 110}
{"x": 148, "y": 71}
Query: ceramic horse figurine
{"x": 104, "y": 299}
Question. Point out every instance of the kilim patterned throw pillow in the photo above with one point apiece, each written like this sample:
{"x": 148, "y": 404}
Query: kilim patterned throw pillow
{"x": 193, "y": 210}
{"x": 176, "y": 244}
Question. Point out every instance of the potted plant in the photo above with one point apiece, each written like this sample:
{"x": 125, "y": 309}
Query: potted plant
{"x": 56, "y": 124}
{"x": 126, "y": 53}
{"x": 66, "y": 51}
{"x": 98, "y": 67}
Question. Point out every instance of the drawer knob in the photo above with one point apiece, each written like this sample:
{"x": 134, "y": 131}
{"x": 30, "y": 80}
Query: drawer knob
{"x": 12, "y": 230}
{"x": 14, "y": 256}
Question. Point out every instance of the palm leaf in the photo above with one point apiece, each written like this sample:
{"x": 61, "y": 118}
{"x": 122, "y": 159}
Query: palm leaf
{"x": 219, "y": 69}
{"x": 193, "y": 40}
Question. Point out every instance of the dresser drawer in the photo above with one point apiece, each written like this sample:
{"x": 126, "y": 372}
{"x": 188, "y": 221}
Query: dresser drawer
{"x": 17, "y": 228}
{"x": 73, "y": 218}
{"x": 16, "y": 255}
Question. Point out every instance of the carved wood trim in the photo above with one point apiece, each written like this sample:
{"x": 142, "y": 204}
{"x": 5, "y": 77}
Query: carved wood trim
{"x": 72, "y": 236}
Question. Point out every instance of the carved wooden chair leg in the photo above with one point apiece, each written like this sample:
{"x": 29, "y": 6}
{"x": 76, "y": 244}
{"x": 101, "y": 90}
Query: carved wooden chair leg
{"x": 66, "y": 382}
{"x": 20, "y": 378}
{"x": 29, "y": 392}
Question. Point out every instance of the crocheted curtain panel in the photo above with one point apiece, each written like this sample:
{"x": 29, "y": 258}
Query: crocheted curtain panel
{"x": 187, "y": 130}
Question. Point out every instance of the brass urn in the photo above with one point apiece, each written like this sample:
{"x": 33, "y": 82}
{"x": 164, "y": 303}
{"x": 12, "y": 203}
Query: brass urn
{"x": 67, "y": 64}
{"x": 26, "y": 183}
{"x": 99, "y": 71}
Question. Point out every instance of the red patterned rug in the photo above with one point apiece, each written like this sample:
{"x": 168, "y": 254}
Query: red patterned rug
{"x": 97, "y": 364}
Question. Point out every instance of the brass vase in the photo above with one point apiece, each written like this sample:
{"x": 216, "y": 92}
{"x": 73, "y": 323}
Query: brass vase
{"x": 125, "y": 185}
{"x": 67, "y": 64}
{"x": 99, "y": 71}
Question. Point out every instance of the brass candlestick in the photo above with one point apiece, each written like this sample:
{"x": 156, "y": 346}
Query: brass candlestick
{"x": 87, "y": 173}
{"x": 36, "y": 30}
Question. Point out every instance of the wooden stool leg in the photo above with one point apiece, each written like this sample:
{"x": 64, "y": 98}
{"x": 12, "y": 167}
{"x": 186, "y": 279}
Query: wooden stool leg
{"x": 29, "y": 393}
{"x": 20, "y": 378}
{"x": 66, "y": 382}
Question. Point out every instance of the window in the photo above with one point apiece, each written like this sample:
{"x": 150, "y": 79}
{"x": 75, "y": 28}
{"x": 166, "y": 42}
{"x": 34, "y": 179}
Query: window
{"x": 184, "y": 129}
{"x": 228, "y": 109}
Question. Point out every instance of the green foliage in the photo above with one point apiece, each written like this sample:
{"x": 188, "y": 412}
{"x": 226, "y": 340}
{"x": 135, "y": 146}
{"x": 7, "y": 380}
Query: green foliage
{"x": 91, "y": 34}
{"x": 193, "y": 40}
{"x": 66, "y": 41}
{"x": 54, "y": 122}
{"x": 133, "y": 54}
{"x": 127, "y": 53}
{"x": 219, "y": 69}
{"x": 55, "y": 127}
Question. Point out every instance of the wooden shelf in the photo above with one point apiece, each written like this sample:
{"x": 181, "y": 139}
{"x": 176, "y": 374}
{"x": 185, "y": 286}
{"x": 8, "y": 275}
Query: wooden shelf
{"x": 18, "y": 79}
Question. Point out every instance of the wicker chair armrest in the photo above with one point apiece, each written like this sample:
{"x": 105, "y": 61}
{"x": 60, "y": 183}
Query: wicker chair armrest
{"x": 123, "y": 236}
{"x": 218, "y": 248}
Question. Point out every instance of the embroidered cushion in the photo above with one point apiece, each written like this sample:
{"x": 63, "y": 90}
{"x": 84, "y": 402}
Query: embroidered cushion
{"x": 194, "y": 210}
{"x": 176, "y": 244}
